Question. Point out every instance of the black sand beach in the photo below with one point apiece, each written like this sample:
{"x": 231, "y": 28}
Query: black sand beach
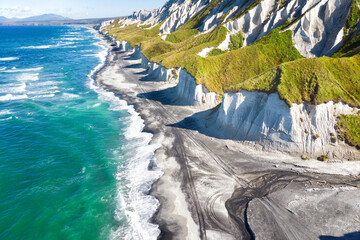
{"x": 223, "y": 189}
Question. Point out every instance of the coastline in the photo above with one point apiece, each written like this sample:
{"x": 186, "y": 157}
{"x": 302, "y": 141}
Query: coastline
{"x": 200, "y": 174}
{"x": 135, "y": 177}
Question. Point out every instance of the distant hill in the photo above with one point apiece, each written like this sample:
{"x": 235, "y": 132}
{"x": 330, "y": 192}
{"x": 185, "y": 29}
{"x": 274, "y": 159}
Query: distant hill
{"x": 40, "y": 18}
{"x": 45, "y": 17}
{"x": 3, "y": 19}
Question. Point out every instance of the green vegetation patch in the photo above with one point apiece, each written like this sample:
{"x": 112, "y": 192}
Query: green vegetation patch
{"x": 271, "y": 64}
{"x": 316, "y": 81}
{"x": 216, "y": 52}
{"x": 353, "y": 18}
{"x": 281, "y": 3}
{"x": 181, "y": 35}
{"x": 222, "y": 70}
{"x": 350, "y": 48}
{"x": 236, "y": 41}
{"x": 227, "y": 72}
{"x": 349, "y": 129}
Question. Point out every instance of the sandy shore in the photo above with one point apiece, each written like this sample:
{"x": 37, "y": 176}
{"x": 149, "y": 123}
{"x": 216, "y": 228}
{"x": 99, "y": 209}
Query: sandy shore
{"x": 221, "y": 189}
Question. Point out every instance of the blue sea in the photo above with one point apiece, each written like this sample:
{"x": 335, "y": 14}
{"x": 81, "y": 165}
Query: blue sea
{"x": 74, "y": 162}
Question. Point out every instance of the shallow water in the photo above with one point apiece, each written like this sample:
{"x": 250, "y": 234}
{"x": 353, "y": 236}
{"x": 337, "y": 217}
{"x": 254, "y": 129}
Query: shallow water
{"x": 73, "y": 159}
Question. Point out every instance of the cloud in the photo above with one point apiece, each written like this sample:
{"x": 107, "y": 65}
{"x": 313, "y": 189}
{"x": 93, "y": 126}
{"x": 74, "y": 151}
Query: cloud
{"x": 16, "y": 11}
{"x": 26, "y": 11}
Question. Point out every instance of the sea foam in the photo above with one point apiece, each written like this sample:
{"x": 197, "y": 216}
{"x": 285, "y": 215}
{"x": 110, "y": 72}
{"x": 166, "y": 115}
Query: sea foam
{"x": 13, "y": 88}
{"x": 28, "y": 77}
{"x": 10, "y": 97}
{"x": 133, "y": 198}
{"x": 39, "y": 47}
{"x": 9, "y": 59}
{"x": 15, "y": 70}
{"x": 5, "y": 112}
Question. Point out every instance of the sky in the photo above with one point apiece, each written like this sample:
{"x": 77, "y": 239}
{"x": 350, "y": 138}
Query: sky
{"x": 76, "y": 9}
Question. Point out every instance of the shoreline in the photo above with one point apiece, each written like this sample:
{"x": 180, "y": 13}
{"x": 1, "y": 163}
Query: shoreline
{"x": 136, "y": 204}
{"x": 199, "y": 191}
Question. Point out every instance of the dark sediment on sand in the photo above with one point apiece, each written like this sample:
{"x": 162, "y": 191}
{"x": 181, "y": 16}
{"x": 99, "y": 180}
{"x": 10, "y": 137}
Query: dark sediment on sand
{"x": 221, "y": 189}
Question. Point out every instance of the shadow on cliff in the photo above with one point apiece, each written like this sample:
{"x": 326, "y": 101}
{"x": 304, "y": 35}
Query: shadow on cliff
{"x": 166, "y": 96}
{"x": 349, "y": 236}
{"x": 204, "y": 122}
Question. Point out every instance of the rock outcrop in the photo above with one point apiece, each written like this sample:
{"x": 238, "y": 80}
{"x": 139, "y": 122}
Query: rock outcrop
{"x": 317, "y": 25}
{"x": 317, "y": 28}
{"x": 186, "y": 92}
{"x": 266, "y": 119}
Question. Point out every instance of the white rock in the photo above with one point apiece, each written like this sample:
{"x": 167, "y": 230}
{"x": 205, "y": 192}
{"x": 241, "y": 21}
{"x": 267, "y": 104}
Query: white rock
{"x": 205, "y": 52}
{"x": 181, "y": 14}
{"x": 319, "y": 32}
{"x": 187, "y": 92}
{"x": 263, "y": 118}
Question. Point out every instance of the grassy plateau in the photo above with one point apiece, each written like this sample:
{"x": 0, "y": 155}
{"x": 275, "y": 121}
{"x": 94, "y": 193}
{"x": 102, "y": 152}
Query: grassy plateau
{"x": 271, "y": 64}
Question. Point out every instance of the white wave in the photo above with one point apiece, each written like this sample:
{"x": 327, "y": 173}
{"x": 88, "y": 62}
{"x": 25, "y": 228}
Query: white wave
{"x": 39, "y": 47}
{"x": 3, "y": 68}
{"x": 44, "y": 96}
{"x": 134, "y": 202}
{"x": 66, "y": 43}
{"x": 96, "y": 105}
{"x": 86, "y": 51}
{"x": 59, "y": 44}
{"x": 5, "y": 112}
{"x": 9, "y": 59}
{"x": 71, "y": 34}
{"x": 42, "y": 92}
{"x": 134, "y": 196}
{"x": 13, "y": 88}
{"x": 28, "y": 77}
{"x": 6, "y": 119}
{"x": 90, "y": 55}
{"x": 70, "y": 96}
{"x": 46, "y": 83}
{"x": 14, "y": 70}
{"x": 72, "y": 39}
{"x": 10, "y": 97}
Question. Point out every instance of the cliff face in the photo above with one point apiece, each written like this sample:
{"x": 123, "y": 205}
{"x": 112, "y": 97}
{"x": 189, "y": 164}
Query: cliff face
{"x": 317, "y": 28}
{"x": 265, "y": 119}
{"x": 186, "y": 92}
{"x": 172, "y": 15}
{"x": 317, "y": 25}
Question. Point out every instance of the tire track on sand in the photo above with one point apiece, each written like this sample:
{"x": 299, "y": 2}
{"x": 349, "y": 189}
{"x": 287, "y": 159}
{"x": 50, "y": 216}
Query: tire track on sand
{"x": 180, "y": 150}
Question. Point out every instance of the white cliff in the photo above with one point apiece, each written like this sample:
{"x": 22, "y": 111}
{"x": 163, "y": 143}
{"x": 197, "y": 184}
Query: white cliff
{"x": 269, "y": 121}
{"x": 226, "y": 7}
{"x": 186, "y": 92}
{"x": 317, "y": 24}
{"x": 318, "y": 32}
{"x": 255, "y": 117}
{"x": 181, "y": 14}
{"x": 173, "y": 14}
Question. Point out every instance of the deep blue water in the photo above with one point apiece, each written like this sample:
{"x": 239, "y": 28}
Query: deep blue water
{"x": 73, "y": 159}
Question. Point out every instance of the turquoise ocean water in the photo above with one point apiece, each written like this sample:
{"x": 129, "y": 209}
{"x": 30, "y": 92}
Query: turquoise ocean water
{"x": 73, "y": 158}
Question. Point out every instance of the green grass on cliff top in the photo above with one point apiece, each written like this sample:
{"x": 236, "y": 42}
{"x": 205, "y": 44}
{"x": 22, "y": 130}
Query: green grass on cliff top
{"x": 349, "y": 129}
{"x": 316, "y": 80}
{"x": 271, "y": 64}
{"x": 218, "y": 73}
